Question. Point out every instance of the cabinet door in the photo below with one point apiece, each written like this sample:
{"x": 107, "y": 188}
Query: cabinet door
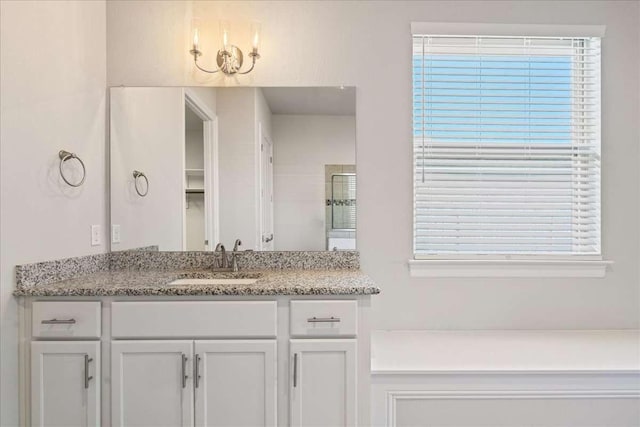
{"x": 65, "y": 383}
{"x": 151, "y": 383}
{"x": 236, "y": 384}
{"x": 323, "y": 382}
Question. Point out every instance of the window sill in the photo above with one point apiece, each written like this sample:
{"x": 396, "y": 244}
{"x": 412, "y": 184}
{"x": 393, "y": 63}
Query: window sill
{"x": 507, "y": 268}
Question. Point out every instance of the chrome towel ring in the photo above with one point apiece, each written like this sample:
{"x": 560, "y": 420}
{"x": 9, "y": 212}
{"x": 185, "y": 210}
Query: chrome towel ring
{"x": 136, "y": 175}
{"x": 64, "y": 156}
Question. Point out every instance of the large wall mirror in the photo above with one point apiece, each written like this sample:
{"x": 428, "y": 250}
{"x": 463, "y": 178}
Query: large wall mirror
{"x": 196, "y": 166}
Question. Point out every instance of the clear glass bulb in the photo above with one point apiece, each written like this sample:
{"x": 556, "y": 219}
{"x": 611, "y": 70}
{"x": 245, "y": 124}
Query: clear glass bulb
{"x": 195, "y": 34}
{"x": 255, "y": 35}
{"x": 224, "y": 35}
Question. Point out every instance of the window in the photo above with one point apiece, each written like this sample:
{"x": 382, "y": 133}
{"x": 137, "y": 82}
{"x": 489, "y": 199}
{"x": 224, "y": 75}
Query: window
{"x": 506, "y": 135}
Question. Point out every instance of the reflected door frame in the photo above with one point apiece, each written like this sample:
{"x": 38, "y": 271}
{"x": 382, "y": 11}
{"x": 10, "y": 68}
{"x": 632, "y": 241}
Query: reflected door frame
{"x": 264, "y": 197}
{"x": 211, "y": 172}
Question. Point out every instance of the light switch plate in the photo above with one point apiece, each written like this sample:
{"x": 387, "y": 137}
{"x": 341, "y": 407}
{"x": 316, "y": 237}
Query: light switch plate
{"x": 115, "y": 233}
{"x": 95, "y": 235}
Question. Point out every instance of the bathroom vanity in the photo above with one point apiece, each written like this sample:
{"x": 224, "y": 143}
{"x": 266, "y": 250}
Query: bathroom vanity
{"x": 149, "y": 335}
{"x": 184, "y": 347}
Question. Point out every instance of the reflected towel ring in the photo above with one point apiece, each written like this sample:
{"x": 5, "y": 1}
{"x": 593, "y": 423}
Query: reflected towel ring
{"x": 136, "y": 175}
{"x": 64, "y": 156}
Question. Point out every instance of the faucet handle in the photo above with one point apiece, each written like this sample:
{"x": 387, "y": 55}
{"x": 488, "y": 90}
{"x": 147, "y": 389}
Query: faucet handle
{"x": 235, "y": 246}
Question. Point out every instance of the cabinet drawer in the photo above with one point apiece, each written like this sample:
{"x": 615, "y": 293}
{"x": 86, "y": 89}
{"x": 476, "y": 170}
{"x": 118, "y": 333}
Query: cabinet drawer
{"x": 324, "y": 318}
{"x": 62, "y": 319}
{"x": 194, "y": 319}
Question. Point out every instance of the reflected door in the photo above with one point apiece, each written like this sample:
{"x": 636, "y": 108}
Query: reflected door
{"x": 266, "y": 192}
{"x": 195, "y": 188}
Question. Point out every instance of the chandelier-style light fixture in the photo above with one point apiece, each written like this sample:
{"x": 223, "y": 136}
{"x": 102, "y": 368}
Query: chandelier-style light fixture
{"x": 229, "y": 57}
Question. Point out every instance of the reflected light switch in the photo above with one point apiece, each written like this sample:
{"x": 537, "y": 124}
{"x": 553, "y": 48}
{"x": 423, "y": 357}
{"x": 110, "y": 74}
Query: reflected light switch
{"x": 95, "y": 235}
{"x": 115, "y": 233}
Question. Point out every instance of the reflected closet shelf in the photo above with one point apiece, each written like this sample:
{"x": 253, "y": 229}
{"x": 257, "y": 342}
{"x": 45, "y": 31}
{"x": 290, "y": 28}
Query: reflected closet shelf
{"x": 194, "y": 172}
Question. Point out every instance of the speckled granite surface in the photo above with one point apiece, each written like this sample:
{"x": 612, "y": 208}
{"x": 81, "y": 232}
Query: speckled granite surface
{"x": 146, "y": 271}
{"x": 157, "y": 283}
{"x": 44, "y": 273}
{"x": 299, "y": 260}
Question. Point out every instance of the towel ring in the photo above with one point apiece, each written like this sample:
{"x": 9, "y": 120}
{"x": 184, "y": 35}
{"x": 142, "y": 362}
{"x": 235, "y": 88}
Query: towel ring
{"x": 64, "y": 156}
{"x": 136, "y": 175}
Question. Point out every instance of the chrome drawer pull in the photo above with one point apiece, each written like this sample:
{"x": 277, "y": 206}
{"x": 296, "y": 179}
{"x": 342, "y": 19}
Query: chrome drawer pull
{"x": 196, "y": 375}
{"x": 87, "y": 378}
{"x": 59, "y": 322}
{"x": 184, "y": 371}
{"x": 295, "y": 369}
{"x": 323, "y": 319}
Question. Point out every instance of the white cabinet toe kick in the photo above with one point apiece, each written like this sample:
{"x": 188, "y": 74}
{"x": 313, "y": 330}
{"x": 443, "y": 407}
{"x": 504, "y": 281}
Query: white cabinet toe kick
{"x": 254, "y": 361}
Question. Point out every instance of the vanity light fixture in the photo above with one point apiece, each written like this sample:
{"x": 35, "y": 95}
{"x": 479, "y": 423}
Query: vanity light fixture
{"x": 229, "y": 57}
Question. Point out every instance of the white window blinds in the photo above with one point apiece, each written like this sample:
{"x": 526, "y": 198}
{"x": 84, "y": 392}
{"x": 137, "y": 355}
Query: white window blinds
{"x": 506, "y": 135}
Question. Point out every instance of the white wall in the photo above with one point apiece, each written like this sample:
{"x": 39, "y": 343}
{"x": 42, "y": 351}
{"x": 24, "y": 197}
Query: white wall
{"x": 52, "y": 80}
{"x": 147, "y": 134}
{"x": 368, "y": 45}
{"x": 194, "y": 217}
{"x": 304, "y": 144}
{"x": 194, "y": 142}
{"x": 237, "y": 152}
{"x": 263, "y": 114}
{"x": 205, "y": 95}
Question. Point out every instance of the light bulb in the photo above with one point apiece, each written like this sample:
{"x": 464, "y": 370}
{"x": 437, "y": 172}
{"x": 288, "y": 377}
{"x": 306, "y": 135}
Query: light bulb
{"x": 196, "y": 39}
{"x": 195, "y": 33}
{"x": 255, "y": 35}
{"x": 224, "y": 35}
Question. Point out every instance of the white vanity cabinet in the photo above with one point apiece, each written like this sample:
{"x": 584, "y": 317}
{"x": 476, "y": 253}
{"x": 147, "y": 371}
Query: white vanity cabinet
{"x": 324, "y": 365}
{"x": 278, "y": 360}
{"x": 323, "y": 382}
{"x": 64, "y": 371}
{"x": 235, "y": 383}
{"x": 151, "y": 383}
{"x": 173, "y": 383}
{"x": 214, "y": 382}
{"x": 65, "y": 383}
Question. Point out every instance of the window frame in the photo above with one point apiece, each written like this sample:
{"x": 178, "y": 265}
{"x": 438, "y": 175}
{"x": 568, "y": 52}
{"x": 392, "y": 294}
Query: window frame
{"x": 505, "y": 265}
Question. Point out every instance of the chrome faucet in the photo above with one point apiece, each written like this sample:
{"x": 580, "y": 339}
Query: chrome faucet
{"x": 223, "y": 262}
{"x": 234, "y": 260}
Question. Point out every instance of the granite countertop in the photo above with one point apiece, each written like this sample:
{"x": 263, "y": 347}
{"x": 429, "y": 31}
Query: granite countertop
{"x": 132, "y": 282}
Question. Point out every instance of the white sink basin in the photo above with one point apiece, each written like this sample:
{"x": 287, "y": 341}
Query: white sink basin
{"x": 214, "y": 282}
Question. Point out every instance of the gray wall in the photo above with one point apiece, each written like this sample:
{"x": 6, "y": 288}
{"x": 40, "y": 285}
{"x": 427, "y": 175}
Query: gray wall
{"x": 303, "y": 145}
{"x": 53, "y": 85}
